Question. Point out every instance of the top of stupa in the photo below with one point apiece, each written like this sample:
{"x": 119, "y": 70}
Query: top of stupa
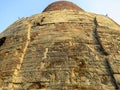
{"x": 61, "y": 5}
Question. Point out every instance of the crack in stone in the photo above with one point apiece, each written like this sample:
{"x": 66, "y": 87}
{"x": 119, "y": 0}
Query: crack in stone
{"x": 26, "y": 45}
{"x": 16, "y": 72}
{"x": 110, "y": 70}
{"x": 105, "y": 53}
{"x": 97, "y": 40}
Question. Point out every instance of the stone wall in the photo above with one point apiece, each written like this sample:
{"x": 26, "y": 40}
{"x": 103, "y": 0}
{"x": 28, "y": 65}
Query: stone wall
{"x": 61, "y": 50}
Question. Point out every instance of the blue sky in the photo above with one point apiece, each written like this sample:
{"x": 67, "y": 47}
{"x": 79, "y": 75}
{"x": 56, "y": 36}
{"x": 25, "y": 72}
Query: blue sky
{"x": 11, "y": 10}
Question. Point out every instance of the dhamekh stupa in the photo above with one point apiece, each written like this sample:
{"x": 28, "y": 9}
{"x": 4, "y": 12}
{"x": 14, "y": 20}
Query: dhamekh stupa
{"x": 62, "y": 48}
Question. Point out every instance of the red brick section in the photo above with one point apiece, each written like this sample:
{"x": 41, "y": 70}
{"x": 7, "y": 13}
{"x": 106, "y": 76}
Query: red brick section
{"x": 61, "y": 5}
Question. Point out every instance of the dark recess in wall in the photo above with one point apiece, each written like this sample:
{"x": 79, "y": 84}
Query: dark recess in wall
{"x": 2, "y": 40}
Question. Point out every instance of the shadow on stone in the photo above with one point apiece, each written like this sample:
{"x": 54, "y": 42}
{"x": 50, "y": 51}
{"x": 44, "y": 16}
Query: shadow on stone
{"x": 2, "y": 40}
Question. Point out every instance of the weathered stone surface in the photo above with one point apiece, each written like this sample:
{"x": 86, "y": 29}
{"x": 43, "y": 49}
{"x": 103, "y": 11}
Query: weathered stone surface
{"x": 61, "y": 50}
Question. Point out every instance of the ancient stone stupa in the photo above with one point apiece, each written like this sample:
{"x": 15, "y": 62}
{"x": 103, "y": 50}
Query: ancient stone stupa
{"x": 62, "y": 48}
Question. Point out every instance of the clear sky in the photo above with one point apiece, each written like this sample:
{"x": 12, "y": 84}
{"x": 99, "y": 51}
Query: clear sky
{"x": 11, "y": 10}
